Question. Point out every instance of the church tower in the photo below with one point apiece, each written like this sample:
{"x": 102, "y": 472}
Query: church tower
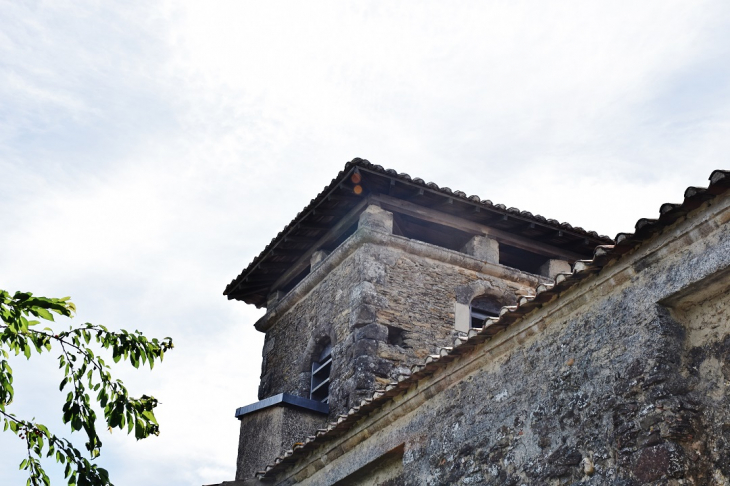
{"x": 378, "y": 272}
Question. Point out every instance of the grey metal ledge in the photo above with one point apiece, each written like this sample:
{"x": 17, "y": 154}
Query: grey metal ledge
{"x": 284, "y": 399}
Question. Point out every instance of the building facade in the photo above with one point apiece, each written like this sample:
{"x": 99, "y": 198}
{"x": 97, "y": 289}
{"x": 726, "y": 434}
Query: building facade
{"x": 415, "y": 335}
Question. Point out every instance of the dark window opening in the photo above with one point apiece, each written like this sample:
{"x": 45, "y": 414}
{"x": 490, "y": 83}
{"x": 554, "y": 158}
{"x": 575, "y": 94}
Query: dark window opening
{"x": 482, "y": 307}
{"x": 321, "y": 368}
{"x": 521, "y": 259}
{"x": 329, "y": 248}
{"x": 396, "y": 336}
{"x": 427, "y": 232}
{"x": 337, "y": 242}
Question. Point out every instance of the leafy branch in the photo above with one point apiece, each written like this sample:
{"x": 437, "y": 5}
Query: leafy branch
{"x": 86, "y": 372}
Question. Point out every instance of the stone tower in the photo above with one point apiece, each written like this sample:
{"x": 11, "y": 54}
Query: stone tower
{"x": 376, "y": 273}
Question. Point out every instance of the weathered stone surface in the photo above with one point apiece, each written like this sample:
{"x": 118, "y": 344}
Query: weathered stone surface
{"x": 553, "y": 267}
{"x": 270, "y": 431}
{"x": 378, "y": 294}
{"x": 483, "y": 248}
{"x": 317, "y": 258}
{"x": 376, "y": 218}
{"x": 273, "y": 298}
{"x": 374, "y": 331}
{"x": 626, "y": 372}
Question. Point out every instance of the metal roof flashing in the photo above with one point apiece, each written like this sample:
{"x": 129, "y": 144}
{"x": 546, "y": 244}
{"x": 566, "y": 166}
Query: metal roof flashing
{"x": 286, "y": 400}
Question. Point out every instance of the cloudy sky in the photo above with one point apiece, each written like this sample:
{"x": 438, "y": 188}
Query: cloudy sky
{"x": 149, "y": 150}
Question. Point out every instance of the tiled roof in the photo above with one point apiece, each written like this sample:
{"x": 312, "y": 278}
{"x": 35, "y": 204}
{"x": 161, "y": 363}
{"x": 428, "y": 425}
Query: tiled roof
{"x": 625, "y": 242}
{"x": 253, "y": 283}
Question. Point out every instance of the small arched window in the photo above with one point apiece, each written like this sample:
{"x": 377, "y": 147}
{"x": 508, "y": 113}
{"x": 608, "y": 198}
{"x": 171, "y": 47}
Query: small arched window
{"x": 321, "y": 368}
{"x": 483, "y": 306}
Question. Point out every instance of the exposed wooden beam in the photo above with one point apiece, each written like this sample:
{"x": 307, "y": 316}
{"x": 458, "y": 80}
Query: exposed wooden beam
{"x": 341, "y": 197}
{"x": 313, "y": 226}
{"x": 334, "y": 233}
{"x": 298, "y": 238}
{"x": 468, "y": 226}
{"x": 273, "y": 267}
{"x": 417, "y": 195}
{"x": 250, "y": 291}
{"x": 437, "y": 235}
{"x": 285, "y": 252}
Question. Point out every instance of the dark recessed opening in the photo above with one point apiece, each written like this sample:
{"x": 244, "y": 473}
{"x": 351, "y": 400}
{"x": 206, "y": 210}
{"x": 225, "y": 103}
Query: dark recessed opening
{"x": 435, "y": 234}
{"x": 334, "y": 244}
{"x": 293, "y": 282}
{"x": 520, "y": 259}
{"x": 329, "y": 248}
{"x": 320, "y": 378}
{"x": 396, "y": 336}
{"x": 482, "y": 307}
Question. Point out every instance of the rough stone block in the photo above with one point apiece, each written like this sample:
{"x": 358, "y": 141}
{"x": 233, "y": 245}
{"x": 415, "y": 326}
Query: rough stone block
{"x": 376, "y": 218}
{"x": 364, "y": 381}
{"x": 364, "y": 347}
{"x": 552, "y": 268}
{"x": 374, "y": 331}
{"x": 372, "y": 365}
{"x": 391, "y": 353}
{"x": 483, "y": 248}
{"x": 362, "y": 316}
{"x": 366, "y": 293}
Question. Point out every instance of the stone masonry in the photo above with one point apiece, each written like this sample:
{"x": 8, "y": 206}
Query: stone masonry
{"x": 623, "y": 380}
{"x": 371, "y": 306}
{"x": 607, "y": 371}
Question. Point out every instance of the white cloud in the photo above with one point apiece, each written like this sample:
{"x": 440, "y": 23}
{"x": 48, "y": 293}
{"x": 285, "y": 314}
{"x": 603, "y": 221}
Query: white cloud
{"x": 148, "y": 153}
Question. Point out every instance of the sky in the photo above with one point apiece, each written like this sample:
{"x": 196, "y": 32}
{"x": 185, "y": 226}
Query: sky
{"x": 149, "y": 150}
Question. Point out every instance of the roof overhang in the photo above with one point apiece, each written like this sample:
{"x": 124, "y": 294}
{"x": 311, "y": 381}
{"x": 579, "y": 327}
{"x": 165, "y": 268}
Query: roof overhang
{"x": 333, "y": 214}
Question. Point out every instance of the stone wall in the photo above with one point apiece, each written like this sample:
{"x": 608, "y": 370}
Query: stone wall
{"x": 267, "y": 432}
{"x": 292, "y": 340}
{"x": 403, "y": 310}
{"x": 385, "y": 302}
{"x": 623, "y": 380}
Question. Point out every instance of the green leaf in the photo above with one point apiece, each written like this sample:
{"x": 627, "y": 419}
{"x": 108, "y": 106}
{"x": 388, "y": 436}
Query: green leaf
{"x": 78, "y": 363}
{"x": 43, "y": 313}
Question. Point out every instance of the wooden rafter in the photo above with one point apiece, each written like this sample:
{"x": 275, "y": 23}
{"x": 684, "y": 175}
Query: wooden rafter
{"x": 331, "y": 235}
{"x": 445, "y": 219}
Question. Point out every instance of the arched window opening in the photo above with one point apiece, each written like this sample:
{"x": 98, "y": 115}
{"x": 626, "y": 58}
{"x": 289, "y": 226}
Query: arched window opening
{"x": 482, "y": 307}
{"x": 321, "y": 368}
